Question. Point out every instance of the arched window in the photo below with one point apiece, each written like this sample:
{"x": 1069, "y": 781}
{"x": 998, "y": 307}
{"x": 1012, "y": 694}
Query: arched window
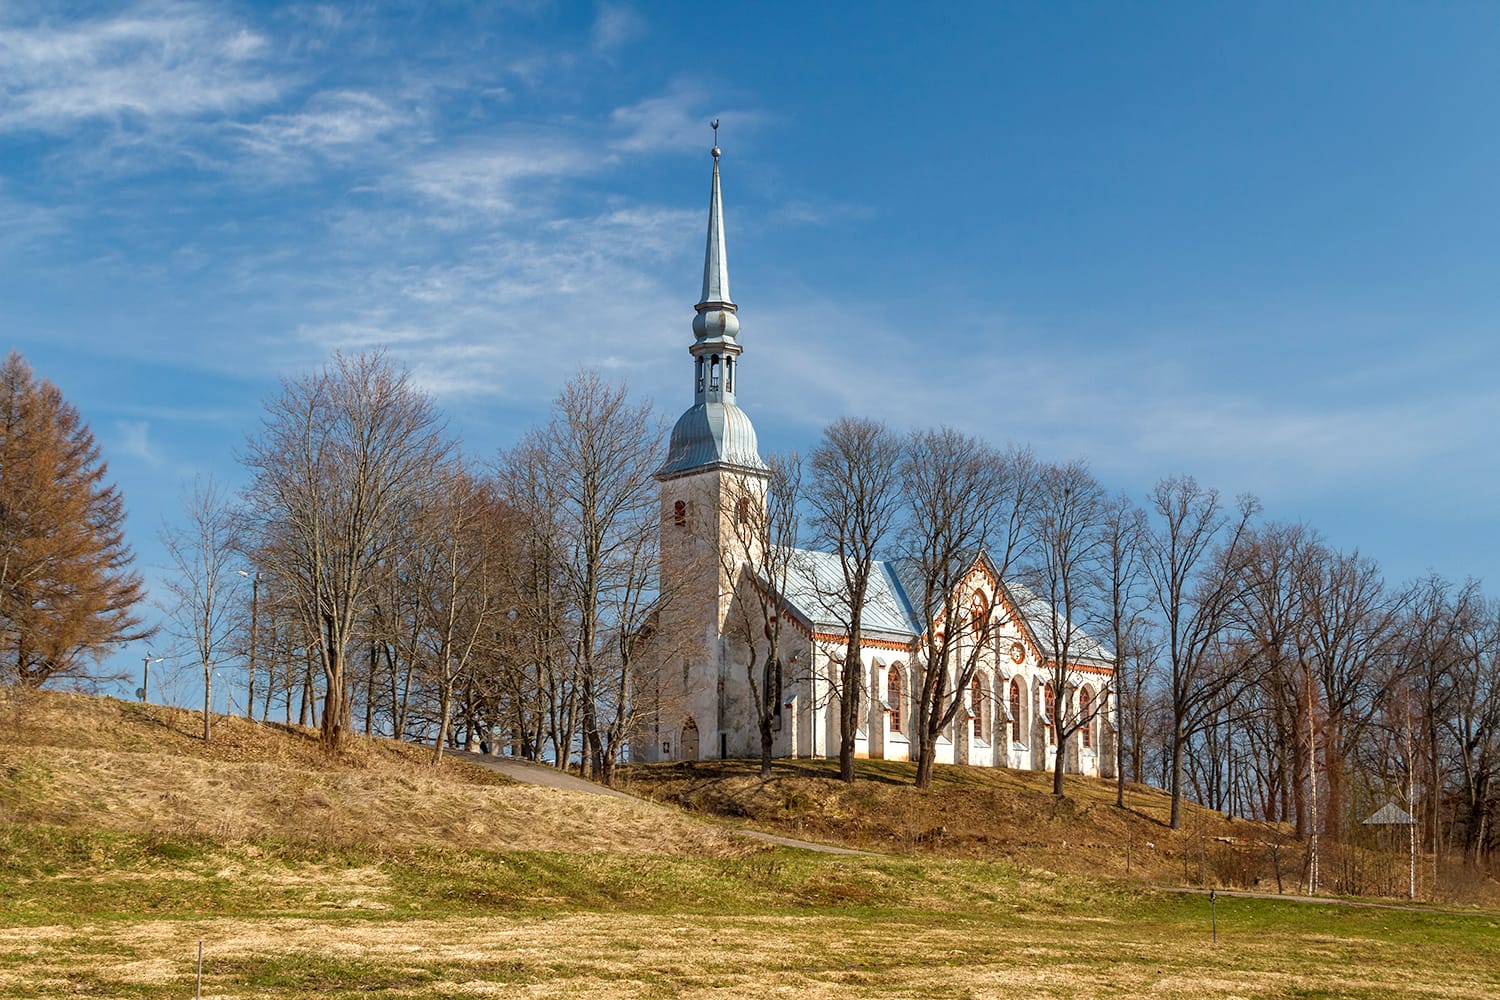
{"x": 679, "y": 513}
{"x": 1049, "y": 707}
{"x": 893, "y": 693}
{"x": 976, "y": 702}
{"x": 979, "y": 612}
{"x": 1015, "y": 710}
{"x": 742, "y": 511}
{"x": 1085, "y": 700}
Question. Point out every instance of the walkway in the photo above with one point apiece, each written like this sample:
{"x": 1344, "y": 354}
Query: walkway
{"x": 529, "y": 773}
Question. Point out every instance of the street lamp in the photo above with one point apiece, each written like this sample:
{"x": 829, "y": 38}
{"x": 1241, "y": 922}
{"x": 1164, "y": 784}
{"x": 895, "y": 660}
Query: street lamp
{"x": 146, "y": 662}
{"x": 254, "y": 608}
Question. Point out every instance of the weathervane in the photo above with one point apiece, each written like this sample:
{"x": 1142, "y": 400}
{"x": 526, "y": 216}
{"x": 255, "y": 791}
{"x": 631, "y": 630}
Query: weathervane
{"x": 716, "y": 138}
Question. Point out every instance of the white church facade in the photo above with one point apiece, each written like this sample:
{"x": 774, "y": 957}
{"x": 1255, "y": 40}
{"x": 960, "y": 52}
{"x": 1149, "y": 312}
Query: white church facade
{"x": 700, "y": 704}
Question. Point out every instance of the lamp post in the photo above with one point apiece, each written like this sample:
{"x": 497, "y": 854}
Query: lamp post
{"x": 254, "y": 609}
{"x": 146, "y": 662}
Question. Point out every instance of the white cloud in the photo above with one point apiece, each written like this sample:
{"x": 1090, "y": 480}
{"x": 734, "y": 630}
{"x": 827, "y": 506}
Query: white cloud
{"x": 336, "y": 125}
{"x": 153, "y": 63}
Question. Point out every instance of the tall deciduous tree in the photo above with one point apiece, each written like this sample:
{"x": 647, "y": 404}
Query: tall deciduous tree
{"x": 1070, "y": 519}
{"x": 342, "y": 456}
{"x": 1195, "y": 561}
{"x": 203, "y": 551}
{"x": 962, "y": 497}
{"x": 67, "y": 592}
{"x": 855, "y": 499}
{"x": 762, "y": 518}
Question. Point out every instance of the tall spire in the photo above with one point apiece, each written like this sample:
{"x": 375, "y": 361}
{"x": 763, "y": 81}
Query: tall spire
{"x": 714, "y": 433}
{"x": 715, "y": 257}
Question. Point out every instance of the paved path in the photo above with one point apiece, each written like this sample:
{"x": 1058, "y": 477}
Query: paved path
{"x": 528, "y": 773}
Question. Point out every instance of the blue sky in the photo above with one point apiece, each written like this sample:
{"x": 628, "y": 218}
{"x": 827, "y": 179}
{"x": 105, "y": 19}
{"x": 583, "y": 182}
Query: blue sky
{"x": 1253, "y": 242}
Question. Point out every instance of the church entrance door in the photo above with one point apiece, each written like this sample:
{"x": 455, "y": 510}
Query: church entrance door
{"x": 689, "y": 740}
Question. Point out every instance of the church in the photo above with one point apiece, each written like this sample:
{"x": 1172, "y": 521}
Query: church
{"x": 700, "y": 703}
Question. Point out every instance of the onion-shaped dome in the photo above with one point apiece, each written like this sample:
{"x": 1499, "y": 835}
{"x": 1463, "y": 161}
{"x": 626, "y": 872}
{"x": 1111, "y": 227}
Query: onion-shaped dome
{"x": 712, "y": 434}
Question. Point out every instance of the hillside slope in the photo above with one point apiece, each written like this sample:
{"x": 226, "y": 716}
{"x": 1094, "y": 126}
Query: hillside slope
{"x": 983, "y": 813}
{"x": 81, "y": 762}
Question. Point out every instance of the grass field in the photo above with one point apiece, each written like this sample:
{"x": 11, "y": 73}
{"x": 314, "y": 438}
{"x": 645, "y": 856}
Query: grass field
{"x": 597, "y": 899}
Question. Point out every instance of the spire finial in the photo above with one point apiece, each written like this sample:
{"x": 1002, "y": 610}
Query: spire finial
{"x": 716, "y": 139}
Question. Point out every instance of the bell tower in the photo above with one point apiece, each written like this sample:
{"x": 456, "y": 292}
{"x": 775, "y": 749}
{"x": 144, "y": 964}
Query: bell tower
{"x": 712, "y": 470}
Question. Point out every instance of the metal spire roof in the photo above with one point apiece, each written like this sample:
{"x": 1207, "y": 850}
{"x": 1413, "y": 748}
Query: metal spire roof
{"x": 715, "y": 257}
{"x": 714, "y": 432}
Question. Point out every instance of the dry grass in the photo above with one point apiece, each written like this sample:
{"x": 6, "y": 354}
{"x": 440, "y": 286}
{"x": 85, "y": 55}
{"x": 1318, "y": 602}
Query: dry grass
{"x": 811, "y": 956}
{"x": 146, "y": 769}
{"x": 1001, "y": 814}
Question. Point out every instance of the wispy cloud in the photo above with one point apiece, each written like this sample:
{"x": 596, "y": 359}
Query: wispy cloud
{"x": 335, "y": 125}
{"x": 675, "y": 120}
{"x": 155, "y": 62}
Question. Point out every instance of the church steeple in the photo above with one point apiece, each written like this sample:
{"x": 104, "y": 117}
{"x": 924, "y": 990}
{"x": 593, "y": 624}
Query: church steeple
{"x": 715, "y": 432}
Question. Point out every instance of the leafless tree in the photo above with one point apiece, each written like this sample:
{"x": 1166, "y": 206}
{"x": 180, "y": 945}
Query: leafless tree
{"x": 1120, "y": 569}
{"x": 762, "y": 516}
{"x": 1349, "y": 628}
{"x": 1194, "y": 561}
{"x": 962, "y": 499}
{"x": 1070, "y": 521}
{"x": 341, "y": 457}
{"x": 457, "y": 562}
{"x": 593, "y": 462}
{"x": 203, "y": 551}
{"x": 854, "y": 499}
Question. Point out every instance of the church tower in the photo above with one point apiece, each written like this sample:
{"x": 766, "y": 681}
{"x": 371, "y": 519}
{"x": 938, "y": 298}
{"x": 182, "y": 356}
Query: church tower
{"x": 713, "y": 468}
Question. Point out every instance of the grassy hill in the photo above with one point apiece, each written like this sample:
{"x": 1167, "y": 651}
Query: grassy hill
{"x": 125, "y": 841}
{"x": 983, "y": 813}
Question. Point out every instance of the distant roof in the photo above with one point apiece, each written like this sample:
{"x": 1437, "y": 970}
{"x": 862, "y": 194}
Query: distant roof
{"x": 1390, "y": 814}
{"x": 815, "y": 590}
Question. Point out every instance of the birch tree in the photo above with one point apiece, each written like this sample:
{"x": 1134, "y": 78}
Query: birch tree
{"x": 203, "y": 551}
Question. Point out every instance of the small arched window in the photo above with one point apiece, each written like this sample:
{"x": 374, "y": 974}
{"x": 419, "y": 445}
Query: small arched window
{"x": 1085, "y": 702}
{"x": 979, "y": 613}
{"x": 679, "y": 513}
{"x": 1049, "y": 706}
{"x": 742, "y": 511}
{"x": 893, "y": 694}
{"x": 1015, "y": 710}
{"x": 976, "y": 703}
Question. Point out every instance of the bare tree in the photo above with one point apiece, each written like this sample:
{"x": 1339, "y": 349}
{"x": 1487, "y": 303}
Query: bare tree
{"x": 341, "y": 457}
{"x": 1194, "y": 560}
{"x": 762, "y": 515}
{"x": 1120, "y": 569}
{"x": 963, "y": 498}
{"x": 456, "y": 563}
{"x": 855, "y": 499}
{"x": 1070, "y": 537}
{"x": 203, "y": 552}
{"x": 592, "y": 465}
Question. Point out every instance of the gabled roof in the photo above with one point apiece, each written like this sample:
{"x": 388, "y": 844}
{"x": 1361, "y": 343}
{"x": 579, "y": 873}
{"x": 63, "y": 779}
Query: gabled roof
{"x": 814, "y": 591}
{"x": 1390, "y": 814}
{"x": 1036, "y": 616}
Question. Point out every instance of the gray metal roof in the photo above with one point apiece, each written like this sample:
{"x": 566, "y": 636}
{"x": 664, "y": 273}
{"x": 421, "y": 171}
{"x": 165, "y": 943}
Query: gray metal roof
{"x": 815, "y": 589}
{"x": 815, "y": 584}
{"x": 711, "y": 434}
